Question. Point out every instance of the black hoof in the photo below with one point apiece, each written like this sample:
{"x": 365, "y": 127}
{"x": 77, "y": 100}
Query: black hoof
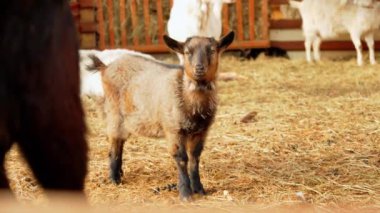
{"x": 198, "y": 189}
{"x": 186, "y": 199}
{"x": 116, "y": 180}
{"x": 185, "y": 194}
{"x": 116, "y": 177}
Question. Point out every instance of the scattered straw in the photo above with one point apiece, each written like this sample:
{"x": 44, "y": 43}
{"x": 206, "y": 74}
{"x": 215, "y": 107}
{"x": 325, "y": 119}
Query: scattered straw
{"x": 314, "y": 141}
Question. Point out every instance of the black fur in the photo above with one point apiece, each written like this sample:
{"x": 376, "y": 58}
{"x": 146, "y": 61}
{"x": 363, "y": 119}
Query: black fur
{"x": 269, "y": 52}
{"x": 40, "y": 108}
{"x": 96, "y": 65}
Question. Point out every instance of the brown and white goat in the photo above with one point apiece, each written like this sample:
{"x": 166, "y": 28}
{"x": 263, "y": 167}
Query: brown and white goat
{"x": 150, "y": 98}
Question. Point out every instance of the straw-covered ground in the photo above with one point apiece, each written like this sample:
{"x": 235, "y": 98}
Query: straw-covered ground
{"x": 312, "y": 137}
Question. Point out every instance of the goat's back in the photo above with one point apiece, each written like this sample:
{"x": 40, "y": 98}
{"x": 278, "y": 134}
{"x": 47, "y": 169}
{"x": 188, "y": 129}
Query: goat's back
{"x": 146, "y": 91}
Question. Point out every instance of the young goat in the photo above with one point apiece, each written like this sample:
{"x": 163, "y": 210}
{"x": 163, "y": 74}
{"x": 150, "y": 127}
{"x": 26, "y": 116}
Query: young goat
{"x": 149, "y": 98}
{"x": 40, "y": 108}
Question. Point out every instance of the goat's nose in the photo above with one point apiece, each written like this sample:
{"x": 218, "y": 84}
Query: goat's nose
{"x": 199, "y": 68}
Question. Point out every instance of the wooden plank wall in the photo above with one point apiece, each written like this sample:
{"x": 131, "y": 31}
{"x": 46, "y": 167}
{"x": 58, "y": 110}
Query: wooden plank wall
{"x": 112, "y": 27}
{"x": 93, "y": 25}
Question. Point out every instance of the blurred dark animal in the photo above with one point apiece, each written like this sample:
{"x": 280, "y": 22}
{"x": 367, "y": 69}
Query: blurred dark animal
{"x": 269, "y": 52}
{"x": 40, "y": 108}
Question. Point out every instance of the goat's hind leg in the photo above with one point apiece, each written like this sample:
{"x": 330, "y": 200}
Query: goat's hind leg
{"x": 358, "y": 46}
{"x": 180, "y": 156}
{"x": 116, "y": 159}
{"x": 369, "y": 39}
{"x": 194, "y": 149}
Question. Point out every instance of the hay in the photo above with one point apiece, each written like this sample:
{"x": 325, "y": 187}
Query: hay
{"x": 314, "y": 141}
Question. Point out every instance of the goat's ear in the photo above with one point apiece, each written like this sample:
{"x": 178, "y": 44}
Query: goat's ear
{"x": 173, "y": 44}
{"x": 226, "y": 41}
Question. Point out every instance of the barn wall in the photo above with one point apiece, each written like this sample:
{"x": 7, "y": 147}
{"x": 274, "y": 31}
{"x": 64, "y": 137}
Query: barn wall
{"x": 284, "y": 29}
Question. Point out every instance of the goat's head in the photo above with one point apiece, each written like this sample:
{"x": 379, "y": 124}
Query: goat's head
{"x": 201, "y": 55}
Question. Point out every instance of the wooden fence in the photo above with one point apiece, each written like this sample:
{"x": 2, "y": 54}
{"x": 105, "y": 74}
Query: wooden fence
{"x": 140, "y": 24}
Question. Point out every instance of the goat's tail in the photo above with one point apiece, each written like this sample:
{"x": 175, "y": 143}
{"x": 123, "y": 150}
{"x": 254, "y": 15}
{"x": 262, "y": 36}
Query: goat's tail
{"x": 96, "y": 65}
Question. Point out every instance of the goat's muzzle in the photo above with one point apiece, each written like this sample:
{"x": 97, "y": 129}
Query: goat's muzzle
{"x": 199, "y": 71}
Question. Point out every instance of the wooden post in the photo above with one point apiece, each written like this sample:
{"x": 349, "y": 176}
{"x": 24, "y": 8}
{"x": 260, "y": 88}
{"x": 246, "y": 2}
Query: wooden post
{"x": 160, "y": 21}
{"x": 101, "y": 27}
{"x": 123, "y": 26}
{"x": 87, "y": 24}
{"x": 239, "y": 17}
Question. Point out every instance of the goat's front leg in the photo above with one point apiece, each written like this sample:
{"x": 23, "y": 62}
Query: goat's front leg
{"x": 316, "y": 48}
{"x": 180, "y": 156}
{"x": 194, "y": 149}
{"x": 308, "y": 43}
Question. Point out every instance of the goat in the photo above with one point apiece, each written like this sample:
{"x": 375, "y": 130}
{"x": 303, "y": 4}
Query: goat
{"x": 195, "y": 18}
{"x": 329, "y": 18}
{"x": 150, "y": 98}
{"x": 91, "y": 83}
{"x": 40, "y": 107}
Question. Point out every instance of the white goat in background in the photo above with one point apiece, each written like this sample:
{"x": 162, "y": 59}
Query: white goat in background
{"x": 330, "y": 18}
{"x": 364, "y": 3}
{"x": 195, "y": 18}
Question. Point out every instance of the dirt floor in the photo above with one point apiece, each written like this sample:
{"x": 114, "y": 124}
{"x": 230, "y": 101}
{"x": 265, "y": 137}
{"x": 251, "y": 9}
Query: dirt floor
{"x": 312, "y": 138}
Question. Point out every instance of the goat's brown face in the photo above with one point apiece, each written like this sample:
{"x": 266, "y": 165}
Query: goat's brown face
{"x": 201, "y": 55}
{"x": 201, "y": 58}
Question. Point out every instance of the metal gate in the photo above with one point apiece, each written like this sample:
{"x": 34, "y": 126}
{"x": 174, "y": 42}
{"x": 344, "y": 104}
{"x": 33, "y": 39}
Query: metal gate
{"x": 140, "y": 24}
